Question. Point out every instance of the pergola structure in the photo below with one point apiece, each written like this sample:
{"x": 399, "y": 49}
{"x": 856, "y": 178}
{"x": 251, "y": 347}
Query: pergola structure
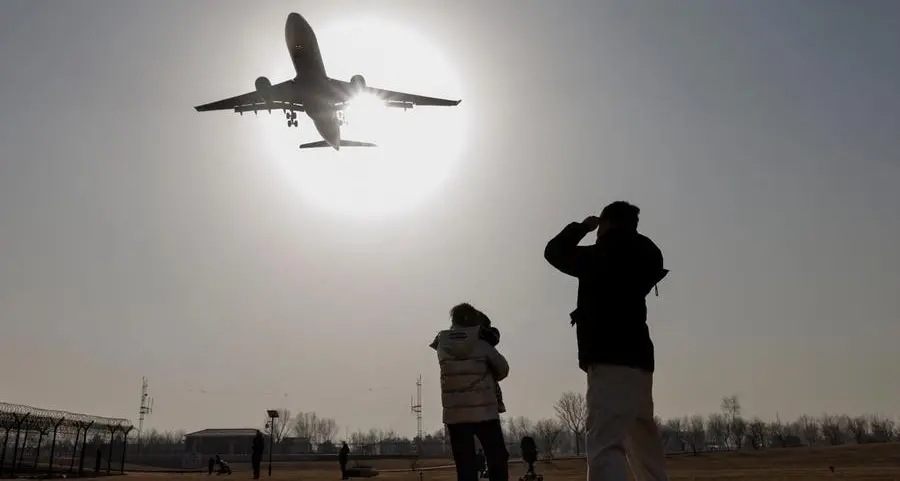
{"x": 19, "y": 424}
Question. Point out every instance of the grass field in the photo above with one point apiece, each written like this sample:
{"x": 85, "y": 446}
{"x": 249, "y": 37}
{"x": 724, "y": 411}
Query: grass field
{"x": 877, "y": 462}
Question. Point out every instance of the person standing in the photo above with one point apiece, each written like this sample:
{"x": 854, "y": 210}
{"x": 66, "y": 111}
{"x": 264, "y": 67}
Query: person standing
{"x": 470, "y": 370}
{"x": 259, "y": 445}
{"x": 615, "y": 274}
{"x": 343, "y": 455}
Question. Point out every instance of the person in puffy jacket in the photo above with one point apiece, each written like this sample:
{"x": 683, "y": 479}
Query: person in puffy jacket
{"x": 470, "y": 369}
{"x": 487, "y": 333}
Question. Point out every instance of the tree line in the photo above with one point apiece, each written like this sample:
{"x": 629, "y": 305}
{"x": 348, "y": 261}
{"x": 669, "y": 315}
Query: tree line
{"x": 729, "y": 429}
{"x": 563, "y": 433}
{"x": 724, "y": 430}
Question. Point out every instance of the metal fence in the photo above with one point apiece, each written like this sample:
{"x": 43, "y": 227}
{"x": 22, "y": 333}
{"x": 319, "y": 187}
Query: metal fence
{"x": 26, "y": 431}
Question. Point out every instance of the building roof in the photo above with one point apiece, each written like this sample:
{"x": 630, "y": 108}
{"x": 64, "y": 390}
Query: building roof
{"x": 213, "y": 433}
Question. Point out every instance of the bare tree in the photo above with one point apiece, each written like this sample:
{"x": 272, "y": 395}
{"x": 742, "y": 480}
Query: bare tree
{"x": 777, "y": 434}
{"x": 717, "y": 429}
{"x": 757, "y": 432}
{"x": 808, "y": 429}
{"x": 572, "y": 412}
{"x": 519, "y": 426}
{"x": 739, "y": 432}
{"x": 325, "y": 430}
{"x": 882, "y": 428}
{"x": 317, "y": 429}
{"x": 388, "y": 435}
{"x": 858, "y": 429}
{"x": 675, "y": 426}
{"x": 281, "y": 426}
{"x": 549, "y": 432}
{"x": 672, "y": 429}
{"x": 731, "y": 408}
{"x": 831, "y": 429}
{"x": 305, "y": 425}
{"x": 696, "y": 432}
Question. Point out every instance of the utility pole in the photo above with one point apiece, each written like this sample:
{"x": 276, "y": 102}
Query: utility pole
{"x": 416, "y": 408}
{"x": 145, "y": 409}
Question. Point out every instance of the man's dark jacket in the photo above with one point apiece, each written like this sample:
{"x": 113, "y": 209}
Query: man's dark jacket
{"x": 614, "y": 277}
{"x": 259, "y": 445}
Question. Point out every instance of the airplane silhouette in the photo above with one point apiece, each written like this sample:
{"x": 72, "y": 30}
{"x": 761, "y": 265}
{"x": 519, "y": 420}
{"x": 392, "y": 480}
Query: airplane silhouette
{"x": 322, "y": 98}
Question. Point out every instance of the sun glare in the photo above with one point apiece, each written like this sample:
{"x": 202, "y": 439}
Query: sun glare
{"x": 416, "y": 148}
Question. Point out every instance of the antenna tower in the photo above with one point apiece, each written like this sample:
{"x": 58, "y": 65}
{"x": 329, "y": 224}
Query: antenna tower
{"x": 417, "y": 409}
{"x": 146, "y": 408}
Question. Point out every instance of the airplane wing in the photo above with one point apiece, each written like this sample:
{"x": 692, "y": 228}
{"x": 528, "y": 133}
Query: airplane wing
{"x": 280, "y": 99}
{"x": 344, "y": 143}
{"x": 391, "y": 98}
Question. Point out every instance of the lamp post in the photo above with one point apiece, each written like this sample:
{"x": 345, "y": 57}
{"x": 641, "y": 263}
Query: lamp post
{"x": 273, "y": 415}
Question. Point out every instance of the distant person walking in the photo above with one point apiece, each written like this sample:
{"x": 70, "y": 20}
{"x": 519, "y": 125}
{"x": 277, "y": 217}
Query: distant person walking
{"x": 614, "y": 347}
{"x": 470, "y": 369}
{"x": 259, "y": 445}
{"x": 343, "y": 455}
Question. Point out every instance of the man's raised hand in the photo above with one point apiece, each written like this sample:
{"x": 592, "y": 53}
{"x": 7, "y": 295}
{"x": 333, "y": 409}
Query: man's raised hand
{"x": 591, "y": 222}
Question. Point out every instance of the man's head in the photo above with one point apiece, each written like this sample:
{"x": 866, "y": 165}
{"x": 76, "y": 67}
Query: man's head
{"x": 618, "y": 216}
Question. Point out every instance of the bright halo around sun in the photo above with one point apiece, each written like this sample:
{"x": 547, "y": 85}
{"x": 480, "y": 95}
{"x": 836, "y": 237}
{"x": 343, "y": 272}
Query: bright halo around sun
{"x": 416, "y": 148}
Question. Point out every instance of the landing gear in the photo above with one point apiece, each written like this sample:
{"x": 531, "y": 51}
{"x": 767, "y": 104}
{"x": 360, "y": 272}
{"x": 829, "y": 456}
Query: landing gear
{"x": 291, "y": 118}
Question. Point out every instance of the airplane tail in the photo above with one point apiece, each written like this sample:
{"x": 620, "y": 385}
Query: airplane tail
{"x": 343, "y": 143}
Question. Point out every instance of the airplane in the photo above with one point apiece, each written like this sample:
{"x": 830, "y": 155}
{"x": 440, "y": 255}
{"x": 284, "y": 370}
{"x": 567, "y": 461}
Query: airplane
{"x": 322, "y": 98}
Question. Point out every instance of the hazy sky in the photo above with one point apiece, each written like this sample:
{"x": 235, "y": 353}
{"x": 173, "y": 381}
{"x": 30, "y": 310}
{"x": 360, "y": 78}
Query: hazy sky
{"x": 138, "y": 237}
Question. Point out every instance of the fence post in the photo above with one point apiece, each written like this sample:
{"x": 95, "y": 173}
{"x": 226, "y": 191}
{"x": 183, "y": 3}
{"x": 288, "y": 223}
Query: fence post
{"x": 124, "y": 447}
{"x": 75, "y": 447}
{"x": 112, "y": 438}
{"x": 37, "y": 454}
{"x": 19, "y": 422}
{"x": 3, "y": 452}
{"x": 53, "y": 445}
{"x": 83, "y": 447}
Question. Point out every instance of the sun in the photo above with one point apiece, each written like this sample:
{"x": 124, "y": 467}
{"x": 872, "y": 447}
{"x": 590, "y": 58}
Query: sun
{"x": 417, "y": 149}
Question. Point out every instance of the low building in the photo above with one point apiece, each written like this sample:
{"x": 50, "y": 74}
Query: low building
{"x": 224, "y": 442}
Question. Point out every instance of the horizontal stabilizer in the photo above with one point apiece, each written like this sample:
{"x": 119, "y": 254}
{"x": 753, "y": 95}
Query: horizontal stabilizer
{"x": 344, "y": 143}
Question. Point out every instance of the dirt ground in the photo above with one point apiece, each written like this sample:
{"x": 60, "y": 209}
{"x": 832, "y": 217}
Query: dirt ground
{"x": 853, "y": 463}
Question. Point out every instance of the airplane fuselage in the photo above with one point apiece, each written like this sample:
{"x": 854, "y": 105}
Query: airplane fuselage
{"x": 311, "y": 81}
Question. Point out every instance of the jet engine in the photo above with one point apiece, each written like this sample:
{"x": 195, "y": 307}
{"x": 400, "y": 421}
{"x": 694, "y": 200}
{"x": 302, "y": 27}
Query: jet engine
{"x": 358, "y": 82}
{"x": 264, "y": 88}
